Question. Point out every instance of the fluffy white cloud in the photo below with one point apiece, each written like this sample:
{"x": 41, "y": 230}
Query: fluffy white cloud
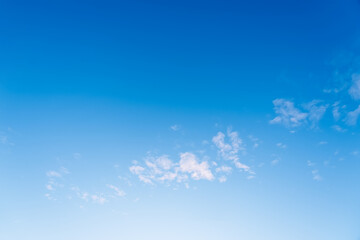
{"x": 197, "y": 170}
{"x": 354, "y": 90}
{"x": 164, "y": 162}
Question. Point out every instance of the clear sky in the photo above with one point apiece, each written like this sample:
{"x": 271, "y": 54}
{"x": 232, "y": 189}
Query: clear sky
{"x": 157, "y": 120}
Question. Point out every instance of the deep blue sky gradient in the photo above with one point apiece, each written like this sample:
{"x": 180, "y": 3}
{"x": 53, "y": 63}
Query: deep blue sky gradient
{"x": 97, "y": 86}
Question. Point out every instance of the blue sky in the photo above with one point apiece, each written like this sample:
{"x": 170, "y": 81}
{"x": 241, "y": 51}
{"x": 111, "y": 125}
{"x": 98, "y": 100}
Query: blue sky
{"x": 180, "y": 120}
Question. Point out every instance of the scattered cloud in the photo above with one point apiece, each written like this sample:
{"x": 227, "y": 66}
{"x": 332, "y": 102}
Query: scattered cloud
{"x": 275, "y": 161}
{"x": 316, "y": 111}
{"x": 224, "y": 169}
{"x": 162, "y": 169}
{"x": 335, "y": 111}
{"x": 287, "y": 114}
{"x": 338, "y": 128}
{"x": 352, "y": 117}
{"x": 98, "y": 199}
{"x": 316, "y": 175}
{"x": 354, "y": 90}
{"x": 230, "y": 150}
{"x": 281, "y": 145}
{"x": 118, "y": 192}
{"x": 310, "y": 164}
{"x": 255, "y": 141}
{"x": 175, "y": 127}
{"x": 222, "y": 179}
{"x": 190, "y": 164}
{"x": 53, "y": 174}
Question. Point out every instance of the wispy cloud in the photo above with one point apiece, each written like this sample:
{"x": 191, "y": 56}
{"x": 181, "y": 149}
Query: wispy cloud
{"x": 316, "y": 111}
{"x": 98, "y": 199}
{"x": 175, "y": 127}
{"x": 287, "y": 114}
{"x": 354, "y": 90}
{"x": 230, "y": 150}
{"x": 281, "y": 145}
{"x": 162, "y": 169}
{"x": 53, "y": 174}
{"x": 352, "y": 117}
{"x": 316, "y": 175}
{"x": 118, "y": 192}
{"x": 290, "y": 116}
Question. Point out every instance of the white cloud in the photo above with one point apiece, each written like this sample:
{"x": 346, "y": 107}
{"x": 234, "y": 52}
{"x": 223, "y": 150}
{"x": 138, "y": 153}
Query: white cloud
{"x": 49, "y": 196}
{"x": 77, "y": 156}
{"x": 84, "y": 196}
{"x": 222, "y": 179}
{"x": 335, "y": 111}
{"x": 354, "y": 90}
{"x": 145, "y": 179}
{"x": 230, "y": 151}
{"x": 255, "y": 141}
{"x": 98, "y": 199}
{"x": 243, "y": 167}
{"x": 316, "y": 111}
{"x": 162, "y": 169}
{"x": 190, "y": 164}
{"x": 310, "y": 164}
{"x": 175, "y": 127}
{"x": 224, "y": 148}
{"x": 290, "y": 116}
{"x": 316, "y": 175}
{"x": 164, "y": 162}
{"x": 281, "y": 145}
{"x": 136, "y": 169}
{"x": 338, "y": 128}
{"x": 223, "y": 169}
{"x": 352, "y": 117}
{"x": 287, "y": 113}
{"x": 118, "y": 192}
{"x": 275, "y": 161}
{"x": 53, "y": 174}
